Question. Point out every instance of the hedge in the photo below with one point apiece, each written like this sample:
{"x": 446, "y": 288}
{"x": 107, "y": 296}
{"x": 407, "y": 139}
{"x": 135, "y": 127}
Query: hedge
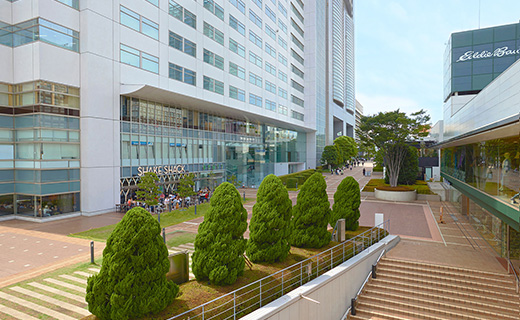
{"x": 290, "y": 180}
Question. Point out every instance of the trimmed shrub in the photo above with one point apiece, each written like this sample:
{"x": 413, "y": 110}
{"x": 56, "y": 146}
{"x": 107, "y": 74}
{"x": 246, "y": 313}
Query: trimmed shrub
{"x": 291, "y": 182}
{"x": 220, "y": 243}
{"x": 311, "y": 215}
{"x": 269, "y": 227}
{"x": 347, "y": 200}
{"x": 132, "y": 281}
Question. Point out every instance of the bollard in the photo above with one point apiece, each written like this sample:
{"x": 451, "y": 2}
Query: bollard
{"x": 195, "y": 209}
{"x": 91, "y": 251}
{"x": 353, "y": 305}
{"x": 374, "y": 269}
{"x": 159, "y": 217}
{"x": 296, "y": 185}
{"x": 244, "y": 196}
{"x": 164, "y": 235}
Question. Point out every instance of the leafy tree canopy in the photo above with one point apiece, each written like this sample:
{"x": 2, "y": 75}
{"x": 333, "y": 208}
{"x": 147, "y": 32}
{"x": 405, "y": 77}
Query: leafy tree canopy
{"x": 330, "y": 156}
{"x": 148, "y": 191}
{"x": 186, "y": 185}
{"x": 388, "y": 132}
{"x": 347, "y": 148}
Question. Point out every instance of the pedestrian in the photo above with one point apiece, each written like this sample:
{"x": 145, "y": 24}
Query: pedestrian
{"x": 364, "y": 171}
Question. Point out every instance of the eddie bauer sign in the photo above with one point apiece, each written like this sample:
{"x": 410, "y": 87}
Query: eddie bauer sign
{"x": 499, "y": 53}
{"x": 160, "y": 170}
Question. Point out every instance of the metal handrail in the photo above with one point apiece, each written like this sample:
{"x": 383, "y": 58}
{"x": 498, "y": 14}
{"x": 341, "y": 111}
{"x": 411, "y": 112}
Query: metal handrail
{"x": 345, "y": 315}
{"x": 301, "y": 265}
{"x": 510, "y": 266}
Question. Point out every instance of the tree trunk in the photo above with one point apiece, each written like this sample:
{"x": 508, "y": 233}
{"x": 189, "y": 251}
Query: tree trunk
{"x": 394, "y": 157}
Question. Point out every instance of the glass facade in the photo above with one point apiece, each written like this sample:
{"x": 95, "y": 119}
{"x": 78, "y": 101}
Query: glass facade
{"x": 492, "y": 167}
{"x": 211, "y": 146}
{"x": 474, "y": 58}
{"x": 39, "y": 149}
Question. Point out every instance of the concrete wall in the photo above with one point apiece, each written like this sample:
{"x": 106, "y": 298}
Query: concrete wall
{"x": 333, "y": 290}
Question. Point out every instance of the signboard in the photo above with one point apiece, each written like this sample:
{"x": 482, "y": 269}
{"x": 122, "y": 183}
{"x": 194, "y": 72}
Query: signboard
{"x": 498, "y": 53}
{"x": 161, "y": 170}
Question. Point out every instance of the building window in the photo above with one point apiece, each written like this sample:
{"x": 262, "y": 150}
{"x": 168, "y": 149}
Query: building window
{"x": 255, "y": 100}
{"x": 254, "y": 38}
{"x": 213, "y": 59}
{"x": 282, "y": 9}
{"x": 270, "y": 105}
{"x": 255, "y": 79}
{"x": 270, "y": 32}
{"x": 296, "y": 13}
{"x": 282, "y": 76}
{"x": 214, "y": 8}
{"x": 237, "y": 94}
{"x": 297, "y": 86}
{"x": 139, "y": 23}
{"x": 270, "y": 50}
{"x": 237, "y": 48}
{"x": 71, "y": 3}
{"x": 237, "y": 25}
{"x": 139, "y": 59}
{"x": 180, "y": 13}
{"x": 297, "y": 42}
{"x": 296, "y": 115}
{"x": 258, "y": 3}
{"x": 300, "y": 2}
{"x": 282, "y": 26}
{"x": 282, "y": 109}
{"x": 270, "y": 68}
{"x": 257, "y": 60}
{"x": 282, "y": 93}
{"x": 282, "y": 59}
{"x": 269, "y": 86}
{"x": 270, "y": 13}
{"x": 213, "y": 85}
{"x": 297, "y": 101}
{"x": 297, "y": 71}
{"x": 256, "y": 19}
{"x": 213, "y": 33}
{"x": 239, "y": 4}
{"x": 182, "y": 74}
{"x": 297, "y": 28}
{"x": 297, "y": 56}
{"x": 237, "y": 70}
{"x": 282, "y": 43}
{"x": 154, "y": 2}
{"x": 182, "y": 44}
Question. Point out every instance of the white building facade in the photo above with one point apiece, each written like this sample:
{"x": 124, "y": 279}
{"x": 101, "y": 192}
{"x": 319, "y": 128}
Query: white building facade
{"x": 95, "y": 93}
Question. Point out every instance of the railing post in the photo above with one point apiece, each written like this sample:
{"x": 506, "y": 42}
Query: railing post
{"x": 164, "y": 235}
{"x": 318, "y": 266}
{"x": 234, "y": 305}
{"x": 91, "y": 251}
{"x": 331, "y": 264}
{"x": 260, "y": 292}
{"x": 282, "y": 282}
{"x": 202, "y": 312}
{"x": 353, "y": 306}
{"x": 374, "y": 269}
{"x": 343, "y": 252}
{"x": 301, "y": 273}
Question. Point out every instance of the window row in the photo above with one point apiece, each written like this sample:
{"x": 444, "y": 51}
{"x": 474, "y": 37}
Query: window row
{"x": 237, "y": 25}
{"x": 139, "y": 59}
{"x": 213, "y": 33}
{"x": 214, "y": 8}
{"x": 296, "y": 115}
{"x": 213, "y": 59}
{"x": 296, "y": 13}
{"x": 139, "y": 23}
{"x": 182, "y": 44}
{"x": 297, "y": 101}
{"x": 39, "y": 92}
{"x": 179, "y": 12}
{"x": 213, "y": 85}
{"x": 297, "y": 27}
{"x": 239, "y": 4}
{"x": 182, "y": 74}
{"x": 297, "y": 86}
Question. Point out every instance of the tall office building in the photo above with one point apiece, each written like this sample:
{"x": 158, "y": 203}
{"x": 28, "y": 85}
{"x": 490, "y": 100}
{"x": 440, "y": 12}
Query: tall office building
{"x": 480, "y": 134}
{"x": 95, "y": 93}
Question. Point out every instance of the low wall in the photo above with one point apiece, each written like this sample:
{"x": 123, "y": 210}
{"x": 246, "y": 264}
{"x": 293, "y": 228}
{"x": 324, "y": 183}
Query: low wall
{"x": 395, "y": 195}
{"x": 428, "y": 197}
{"x": 333, "y": 290}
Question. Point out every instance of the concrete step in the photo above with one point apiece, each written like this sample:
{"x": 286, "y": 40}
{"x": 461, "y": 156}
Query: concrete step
{"x": 443, "y": 287}
{"x": 469, "y": 275}
{"x": 373, "y": 312}
{"x": 450, "y": 269}
{"x": 435, "y": 281}
{"x": 440, "y": 306}
{"x": 512, "y": 303}
{"x": 365, "y": 315}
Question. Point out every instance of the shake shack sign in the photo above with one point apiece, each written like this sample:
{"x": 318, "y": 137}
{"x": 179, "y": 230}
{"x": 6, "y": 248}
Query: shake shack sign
{"x": 498, "y": 53}
{"x": 161, "y": 170}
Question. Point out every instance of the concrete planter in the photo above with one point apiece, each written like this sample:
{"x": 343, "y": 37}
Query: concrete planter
{"x": 395, "y": 195}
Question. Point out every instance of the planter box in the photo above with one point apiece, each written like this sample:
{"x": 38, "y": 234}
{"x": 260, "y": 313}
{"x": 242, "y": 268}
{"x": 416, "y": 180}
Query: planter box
{"x": 395, "y": 195}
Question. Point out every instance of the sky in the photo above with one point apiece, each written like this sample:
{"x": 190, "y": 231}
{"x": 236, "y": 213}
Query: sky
{"x": 400, "y": 44}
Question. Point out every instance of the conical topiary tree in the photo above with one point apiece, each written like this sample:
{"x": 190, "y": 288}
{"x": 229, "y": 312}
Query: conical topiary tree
{"x": 220, "y": 243}
{"x": 311, "y": 214}
{"x": 132, "y": 281}
{"x": 347, "y": 200}
{"x": 269, "y": 229}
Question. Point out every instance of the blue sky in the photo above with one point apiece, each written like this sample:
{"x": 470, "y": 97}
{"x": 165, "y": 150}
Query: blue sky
{"x": 400, "y": 47}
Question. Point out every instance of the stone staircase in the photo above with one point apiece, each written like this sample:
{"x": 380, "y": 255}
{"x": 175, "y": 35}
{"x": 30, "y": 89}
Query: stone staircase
{"x": 414, "y": 290}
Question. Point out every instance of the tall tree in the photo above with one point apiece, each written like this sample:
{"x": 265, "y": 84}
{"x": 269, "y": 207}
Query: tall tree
{"x": 220, "y": 243}
{"x": 148, "y": 191}
{"x": 347, "y": 148}
{"x": 186, "y": 185}
{"x": 269, "y": 229}
{"x": 347, "y": 200}
{"x": 132, "y": 281}
{"x": 330, "y": 156}
{"x": 389, "y": 131}
{"x": 311, "y": 214}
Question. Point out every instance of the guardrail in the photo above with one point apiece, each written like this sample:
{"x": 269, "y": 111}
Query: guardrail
{"x": 511, "y": 267}
{"x": 247, "y": 299}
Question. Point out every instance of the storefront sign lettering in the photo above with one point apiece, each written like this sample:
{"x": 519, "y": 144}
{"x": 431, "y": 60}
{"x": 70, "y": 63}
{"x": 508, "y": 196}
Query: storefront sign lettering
{"x": 498, "y": 53}
{"x": 161, "y": 170}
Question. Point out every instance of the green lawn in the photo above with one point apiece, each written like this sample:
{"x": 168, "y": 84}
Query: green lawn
{"x": 167, "y": 219}
{"x": 177, "y": 238}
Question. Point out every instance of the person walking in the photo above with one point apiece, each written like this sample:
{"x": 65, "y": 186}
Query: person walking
{"x": 364, "y": 171}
